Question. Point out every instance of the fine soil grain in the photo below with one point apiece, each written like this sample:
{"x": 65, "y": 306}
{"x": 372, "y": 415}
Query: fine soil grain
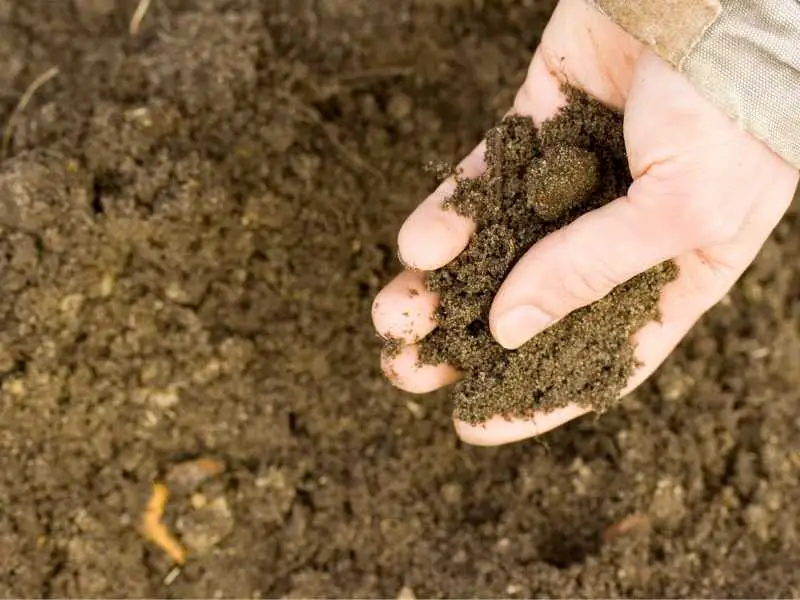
{"x": 194, "y": 221}
{"x": 538, "y": 181}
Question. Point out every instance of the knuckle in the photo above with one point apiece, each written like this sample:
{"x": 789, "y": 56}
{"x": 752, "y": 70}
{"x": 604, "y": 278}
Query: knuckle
{"x": 586, "y": 279}
{"x": 588, "y": 284}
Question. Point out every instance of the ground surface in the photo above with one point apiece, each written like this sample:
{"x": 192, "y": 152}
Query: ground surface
{"x": 193, "y": 223}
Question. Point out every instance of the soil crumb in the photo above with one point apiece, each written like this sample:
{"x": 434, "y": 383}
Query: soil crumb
{"x": 538, "y": 181}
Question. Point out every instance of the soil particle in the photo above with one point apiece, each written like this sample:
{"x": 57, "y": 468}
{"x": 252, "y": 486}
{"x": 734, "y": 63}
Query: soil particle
{"x": 538, "y": 181}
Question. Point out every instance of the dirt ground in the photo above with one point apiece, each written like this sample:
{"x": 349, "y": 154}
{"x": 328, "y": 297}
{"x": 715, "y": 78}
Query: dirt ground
{"x": 193, "y": 223}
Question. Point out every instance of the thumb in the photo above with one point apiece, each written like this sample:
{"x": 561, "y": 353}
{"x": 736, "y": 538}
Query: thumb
{"x": 587, "y": 259}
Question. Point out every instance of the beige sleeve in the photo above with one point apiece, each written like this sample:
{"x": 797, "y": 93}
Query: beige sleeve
{"x": 744, "y": 55}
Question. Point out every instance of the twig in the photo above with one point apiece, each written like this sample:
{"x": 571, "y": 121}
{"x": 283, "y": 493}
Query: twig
{"x": 375, "y": 73}
{"x": 23, "y": 104}
{"x": 138, "y": 15}
{"x": 313, "y": 116}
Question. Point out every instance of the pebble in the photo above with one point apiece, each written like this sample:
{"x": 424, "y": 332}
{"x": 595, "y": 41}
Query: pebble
{"x": 204, "y": 528}
{"x": 667, "y": 507}
{"x": 758, "y": 521}
{"x": 163, "y": 398}
{"x": 399, "y": 107}
{"x": 452, "y": 493}
{"x": 415, "y": 409}
{"x": 280, "y": 491}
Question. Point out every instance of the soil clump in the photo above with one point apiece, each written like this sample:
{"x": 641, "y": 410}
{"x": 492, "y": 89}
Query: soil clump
{"x": 538, "y": 181}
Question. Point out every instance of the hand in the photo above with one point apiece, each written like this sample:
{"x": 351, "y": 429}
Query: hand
{"x": 705, "y": 193}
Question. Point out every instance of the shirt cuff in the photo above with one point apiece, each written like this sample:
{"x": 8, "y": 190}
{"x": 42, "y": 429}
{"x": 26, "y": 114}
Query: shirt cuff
{"x": 744, "y": 55}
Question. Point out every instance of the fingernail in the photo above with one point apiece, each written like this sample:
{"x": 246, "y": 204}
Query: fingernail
{"x": 520, "y": 324}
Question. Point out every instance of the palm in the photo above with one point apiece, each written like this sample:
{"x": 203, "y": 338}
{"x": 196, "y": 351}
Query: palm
{"x": 698, "y": 196}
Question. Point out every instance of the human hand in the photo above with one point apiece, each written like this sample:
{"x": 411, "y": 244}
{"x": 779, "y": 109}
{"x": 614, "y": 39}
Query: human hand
{"x": 705, "y": 193}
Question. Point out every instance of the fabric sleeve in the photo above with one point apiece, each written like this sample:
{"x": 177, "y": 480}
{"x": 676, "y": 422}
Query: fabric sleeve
{"x": 744, "y": 55}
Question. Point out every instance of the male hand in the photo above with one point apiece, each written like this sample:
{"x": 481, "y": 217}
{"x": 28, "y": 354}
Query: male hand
{"x": 705, "y": 193}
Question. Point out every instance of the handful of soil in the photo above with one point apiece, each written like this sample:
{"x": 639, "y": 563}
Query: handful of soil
{"x": 537, "y": 181}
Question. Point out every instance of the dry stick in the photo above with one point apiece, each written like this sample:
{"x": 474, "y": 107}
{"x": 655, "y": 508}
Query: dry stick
{"x": 315, "y": 118}
{"x": 138, "y": 15}
{"x": 22, "y": 104}
{"x": 375, "y": 73}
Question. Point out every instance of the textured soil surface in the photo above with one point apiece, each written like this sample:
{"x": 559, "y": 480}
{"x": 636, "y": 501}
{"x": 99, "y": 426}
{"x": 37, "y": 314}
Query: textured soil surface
{"x": 537, "y": 181}
{"x": 193, "y": 223}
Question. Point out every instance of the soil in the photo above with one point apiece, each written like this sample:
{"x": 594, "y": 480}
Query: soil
{"x": 193, "y": 223}
{"x": 538, "y": 181}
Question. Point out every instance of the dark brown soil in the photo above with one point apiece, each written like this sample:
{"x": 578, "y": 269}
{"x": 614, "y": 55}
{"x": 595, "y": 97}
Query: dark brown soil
{"x": 537, "y": 182}
{"x": 195, "y": 221}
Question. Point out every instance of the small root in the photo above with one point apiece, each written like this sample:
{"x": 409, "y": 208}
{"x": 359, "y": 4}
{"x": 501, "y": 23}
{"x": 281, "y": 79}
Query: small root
{"x": 26, "y": 98}
{"x": 313, "y": 116}
{"x": 630, "y": 524}
{"x": 154, "y": 530}
{"x": 138, "y": 16}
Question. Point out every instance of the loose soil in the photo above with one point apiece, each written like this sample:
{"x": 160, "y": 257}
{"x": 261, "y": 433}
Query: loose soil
{"x": 536, "y": 182}
{"x": 193, "y": 223}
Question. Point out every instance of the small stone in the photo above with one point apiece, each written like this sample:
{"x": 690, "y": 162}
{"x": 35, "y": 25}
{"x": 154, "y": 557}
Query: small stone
{"x": 14, "y": 386}
{"x": 773, "y": 500}
{"x": 106, "y": 286}
{"x": 415, "y": 409}
{"x": 399, "y": 107}
{"x": 140, "y": 116}
{"x": 209, "y": 372}
{"x": 176, "y": 293}
{"x": 154, "y": 373}
{"x": 203, "y": 529}
{"x": 280, "y": 135}
{"x": 674, "y": 384}
{"x": 281, "y": 493}
{"x": 86, "y": 523}
{"x": 667, "y": 507}
{"x": 758, "y": 521}
{"x": 452, "y": 493}
{"x": 71, "y": 304}
{"x": 163, "y": 399}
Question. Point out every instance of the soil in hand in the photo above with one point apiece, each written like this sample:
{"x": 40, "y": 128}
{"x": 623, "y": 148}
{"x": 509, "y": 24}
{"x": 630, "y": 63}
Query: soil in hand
{"x": 537, "y": 181}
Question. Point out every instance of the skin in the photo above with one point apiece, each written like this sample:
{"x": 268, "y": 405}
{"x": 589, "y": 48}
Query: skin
{"x": 705, "y": 193}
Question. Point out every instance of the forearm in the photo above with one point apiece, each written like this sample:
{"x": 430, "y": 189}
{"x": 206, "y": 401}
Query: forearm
{"x": 744, "y": 55}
